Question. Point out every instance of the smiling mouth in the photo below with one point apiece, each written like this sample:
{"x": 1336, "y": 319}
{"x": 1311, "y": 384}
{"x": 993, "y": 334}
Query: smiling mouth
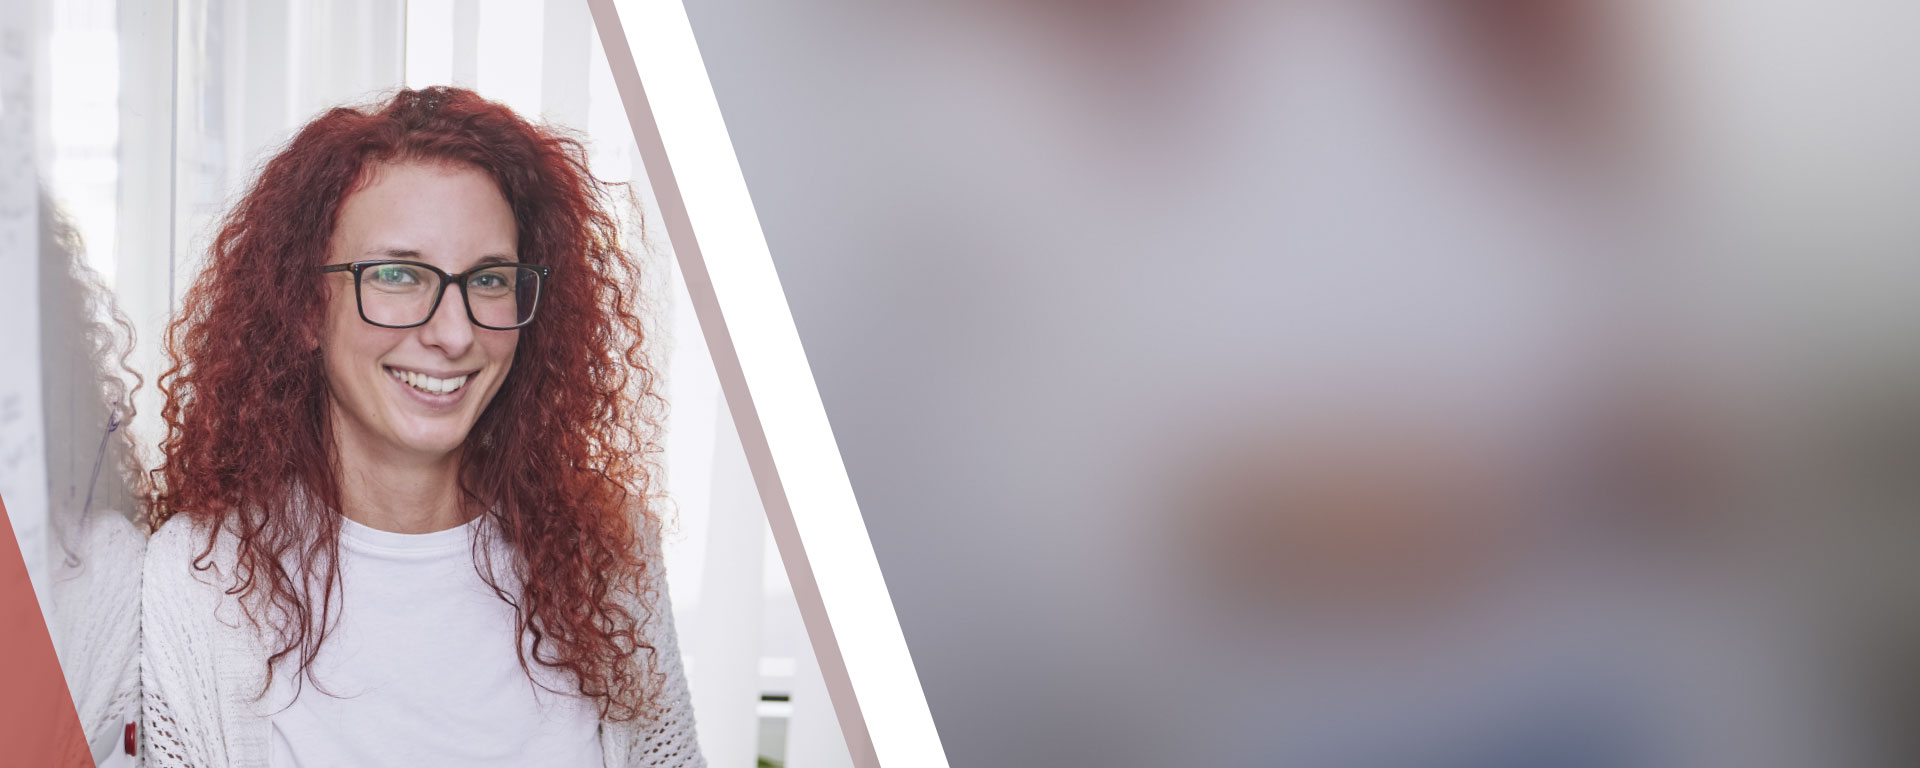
{"x": 429, "y": 384}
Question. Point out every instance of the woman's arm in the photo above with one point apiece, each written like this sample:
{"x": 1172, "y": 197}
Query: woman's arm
{"x": 96, "y": 624}
{"x": 668, "y": 739}
{"x": 179, "y": 710}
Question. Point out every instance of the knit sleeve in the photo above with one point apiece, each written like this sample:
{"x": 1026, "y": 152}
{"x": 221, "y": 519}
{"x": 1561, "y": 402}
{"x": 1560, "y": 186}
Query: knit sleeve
{"x": 180, "y": 718}
{"x": 96, "y": 624}
{"x": 667, "y": 739}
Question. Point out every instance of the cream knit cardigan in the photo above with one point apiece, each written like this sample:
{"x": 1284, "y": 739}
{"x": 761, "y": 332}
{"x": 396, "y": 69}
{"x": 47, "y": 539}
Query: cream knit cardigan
{"x": 95, "y": 600}
{"x": 202, "y": 664}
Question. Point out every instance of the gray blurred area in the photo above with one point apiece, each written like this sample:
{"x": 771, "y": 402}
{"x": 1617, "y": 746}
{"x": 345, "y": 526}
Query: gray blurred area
{"x": 1365, "y": 383}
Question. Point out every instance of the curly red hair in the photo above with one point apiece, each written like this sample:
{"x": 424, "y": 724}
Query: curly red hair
{"x": 559, "y": 455}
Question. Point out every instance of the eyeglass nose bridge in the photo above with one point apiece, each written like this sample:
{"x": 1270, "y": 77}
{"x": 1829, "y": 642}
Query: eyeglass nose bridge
{"x": 440, "y": 295}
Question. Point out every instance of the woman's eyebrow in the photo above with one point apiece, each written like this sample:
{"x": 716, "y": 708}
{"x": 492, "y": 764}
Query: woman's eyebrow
{"x": 413, "y": 255}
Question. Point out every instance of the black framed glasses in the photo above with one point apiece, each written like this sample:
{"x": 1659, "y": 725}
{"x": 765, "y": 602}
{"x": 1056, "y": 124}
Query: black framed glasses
{"x": 395, "y": 293}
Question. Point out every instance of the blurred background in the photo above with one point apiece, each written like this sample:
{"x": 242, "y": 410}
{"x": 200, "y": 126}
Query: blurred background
{"x": 1365, "y": 382}
{"x": 1348, "y": 383}
{"x": 138, "y": 124}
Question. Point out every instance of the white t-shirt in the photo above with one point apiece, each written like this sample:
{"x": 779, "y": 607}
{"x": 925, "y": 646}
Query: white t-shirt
{"x": 423, "y": 670}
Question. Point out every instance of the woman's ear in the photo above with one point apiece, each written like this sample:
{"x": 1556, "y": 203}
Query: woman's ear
{"x": 313, "y": 324}
{"x": 309, "y": 335}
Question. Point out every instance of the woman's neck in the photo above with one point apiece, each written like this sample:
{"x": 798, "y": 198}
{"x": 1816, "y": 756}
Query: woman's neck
{"x": 402, "y": 500}
{"x": 401, "y": 494}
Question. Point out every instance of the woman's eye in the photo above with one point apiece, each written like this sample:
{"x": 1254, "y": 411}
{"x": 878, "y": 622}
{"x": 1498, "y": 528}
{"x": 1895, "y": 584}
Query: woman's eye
{"x": 492, "y": 283}
{"x": 394, "y": 275}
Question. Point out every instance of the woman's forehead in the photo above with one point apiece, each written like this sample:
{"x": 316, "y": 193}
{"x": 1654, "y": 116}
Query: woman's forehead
{"x": 430, "y": 212}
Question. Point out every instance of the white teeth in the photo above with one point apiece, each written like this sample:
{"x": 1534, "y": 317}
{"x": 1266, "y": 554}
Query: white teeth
{"x": 425, "y": 383}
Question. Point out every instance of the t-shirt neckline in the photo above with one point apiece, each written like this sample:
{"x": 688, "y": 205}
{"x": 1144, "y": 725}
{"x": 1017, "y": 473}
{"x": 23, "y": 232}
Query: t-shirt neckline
{"x": 362, "y": 537}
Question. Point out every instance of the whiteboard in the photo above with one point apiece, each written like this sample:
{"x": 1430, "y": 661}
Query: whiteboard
{"x": 23, "y": 468}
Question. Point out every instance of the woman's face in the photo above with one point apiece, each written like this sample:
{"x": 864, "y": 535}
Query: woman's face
{"x": 414, "y": 393}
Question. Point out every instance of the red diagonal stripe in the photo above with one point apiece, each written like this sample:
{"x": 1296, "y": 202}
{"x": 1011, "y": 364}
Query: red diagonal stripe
{"x": 38, "y": 725}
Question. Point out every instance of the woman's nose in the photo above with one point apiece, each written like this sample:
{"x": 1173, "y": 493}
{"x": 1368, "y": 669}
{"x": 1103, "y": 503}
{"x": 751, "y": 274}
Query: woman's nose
{"x": 449, "y": 329}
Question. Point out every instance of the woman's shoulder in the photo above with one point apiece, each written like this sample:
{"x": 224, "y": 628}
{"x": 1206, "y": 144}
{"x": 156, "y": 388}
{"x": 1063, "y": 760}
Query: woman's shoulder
{"x": 180, "y": 536}
{"x": 175, "y": 563}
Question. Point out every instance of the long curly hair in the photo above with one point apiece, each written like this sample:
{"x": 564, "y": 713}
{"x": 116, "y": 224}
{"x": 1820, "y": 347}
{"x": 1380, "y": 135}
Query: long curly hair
{"x": 560, "y": 457}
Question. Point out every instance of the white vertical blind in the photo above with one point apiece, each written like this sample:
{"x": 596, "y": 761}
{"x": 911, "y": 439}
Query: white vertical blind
{"x": 143, "y": 214}
{"x": 429, "y": 42}
{"x": 726, "y": 628}
{"x": 509, "y": 53}
{"x": 564, "y": 57}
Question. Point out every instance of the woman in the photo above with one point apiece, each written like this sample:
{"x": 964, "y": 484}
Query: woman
{"x": 401, "y": 517}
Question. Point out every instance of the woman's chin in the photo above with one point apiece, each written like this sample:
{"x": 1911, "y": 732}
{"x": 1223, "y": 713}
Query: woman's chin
{"x": 429, "y": 441}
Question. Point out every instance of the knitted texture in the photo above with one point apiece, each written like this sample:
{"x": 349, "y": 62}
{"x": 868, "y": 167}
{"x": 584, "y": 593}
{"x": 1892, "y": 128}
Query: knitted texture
{"x": 668, "y": 739}
{"x": 95, "y": 598}
{"x": 203, "y": 666}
